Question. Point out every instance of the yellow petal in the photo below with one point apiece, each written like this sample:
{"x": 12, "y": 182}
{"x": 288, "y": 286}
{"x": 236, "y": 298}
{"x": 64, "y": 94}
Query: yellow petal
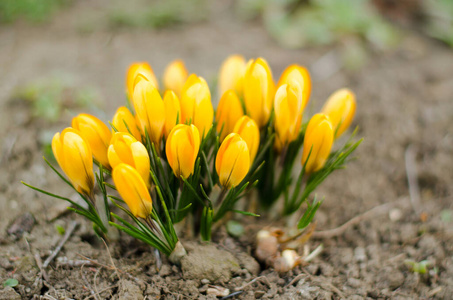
{"x": 231, "y": 75}
{"x": 229, "y": 111}
{"x": 74, "y": 156}
{"x": 124, "y": 117}
{"x": 96, "y": 133}
{"x": 232, "y": 161}
{"x": 250, "y": 133}
{"x": 172, "y": 111}
{"x": 143, "y": 71}
{"x": 302, "y": 76}
{"x": 340, "y": 107}
{"x": 182, "y": 148}
{"x": 175, "y": 76}
{"x": 133, "y": 190}
{"x": 318, "y": 142}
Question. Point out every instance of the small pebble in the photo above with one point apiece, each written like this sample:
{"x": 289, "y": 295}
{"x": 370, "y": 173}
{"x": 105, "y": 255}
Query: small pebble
{"x": 360, "y": 254}
{"x": 395, "y": 214}
{"x": 205, "y": 281}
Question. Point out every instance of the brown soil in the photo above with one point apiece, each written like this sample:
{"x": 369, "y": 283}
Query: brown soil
{"x": 404, "y": 100}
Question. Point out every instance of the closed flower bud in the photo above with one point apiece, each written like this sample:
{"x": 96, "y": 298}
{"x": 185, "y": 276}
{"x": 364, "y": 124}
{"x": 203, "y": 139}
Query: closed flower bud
{"x": 250, "y": 133}
{"x": 340, "y": 107}
{"x": 126, "y": 149}
{"x": 233, "y": 161}
{"x": 175, "y": 76}
{"x": 196, "y": 106}
{"x": 258, "y": 91}
{"x": 124, "y": 121}
{"x": 288, "y": 112}
{"x": 133, "y": 190}
{"x": 182, "y": 148}
{"x": 318, "y": 142}
{"x": 150, "y": 111}
{"x": 96, "y": 133}
{"x": 231, "y": 75}
{"x": 229, "y": 111}
{"x": 301, "y": 75}
{"x": 74, "y": 156}
{"x": 172, "y": 111}
{"x": 139, "y": 71}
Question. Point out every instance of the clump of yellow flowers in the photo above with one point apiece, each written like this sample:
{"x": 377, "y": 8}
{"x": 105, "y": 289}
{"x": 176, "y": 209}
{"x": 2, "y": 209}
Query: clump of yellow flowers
{"x": 168, "y": 153}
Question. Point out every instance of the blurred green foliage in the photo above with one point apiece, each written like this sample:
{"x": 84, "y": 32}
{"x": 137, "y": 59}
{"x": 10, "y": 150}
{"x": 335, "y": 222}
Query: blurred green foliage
{"x": 31, "y": 10}
{"x": 439, "y": 15}
{"x": 298, "y": 23}
{"x": 157, "y": 13}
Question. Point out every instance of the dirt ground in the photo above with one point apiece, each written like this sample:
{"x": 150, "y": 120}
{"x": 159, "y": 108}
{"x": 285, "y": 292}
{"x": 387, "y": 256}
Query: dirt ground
{"x": 405, "y": 113}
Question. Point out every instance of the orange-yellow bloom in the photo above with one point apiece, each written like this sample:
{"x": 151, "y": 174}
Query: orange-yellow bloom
{"x": 182, "y": 148}
{"x": 340, "y": 107}
{"x": 231, "y": 74}
{"x": 150, "y": 111}
{"x": 258, "y": 91}
{"x": 233, "y": 161}
{"x": 126, "y": 149}
{"x": 196, "y": 106}
{"x": 318, "y": 142}
{"x": 139, "y": 71}
{"x": 124, "y": 121}
{"x": 229, "y": 111}
{"x": 175, "y": 76}
{"x": 288, "y": 109}
{"x": 96, "y": 133}
{"x": 301, "y": 75}
{"x": 74, "y": 156}
{"x": 250, "y": 133}
{"x": 133, "y": 190}
{"x": 172, "y": 111}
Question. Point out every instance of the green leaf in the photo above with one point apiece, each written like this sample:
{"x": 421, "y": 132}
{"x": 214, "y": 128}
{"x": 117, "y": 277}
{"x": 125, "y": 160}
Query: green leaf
{"x": 309, "y": 214}
{"x": 11, "y": 282}
{"x": 246, "y": 213}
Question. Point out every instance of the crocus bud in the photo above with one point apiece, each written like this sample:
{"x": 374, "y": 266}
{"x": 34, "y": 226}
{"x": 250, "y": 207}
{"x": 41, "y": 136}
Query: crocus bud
{"x": 250, "y": 133}
{"x": 288, "y": 109}
{"x": 74, "y": 156}
{"x": 318, "y": 142}
{"x": 340, "y": 107}
{"x": 231, "y": 74}
{"x": 150, "y": 111}
{"x": 233, "y": 161}
{"x": 196, "y": 106}
{"x": 175, "y": 76}
{"x": 172, "y": 111}
{"x": 124, "y": 148}
{"x": 258, "y": 91}
{"x": 229, "y": 111}
{"x": 133, "y": 190}
{"x": 96, "y": 133}
{"x": 139, "y": 71}
{"x": 124, "y": 121}
{"x": 301, "y": 75}
{"x": 182, "y": 148}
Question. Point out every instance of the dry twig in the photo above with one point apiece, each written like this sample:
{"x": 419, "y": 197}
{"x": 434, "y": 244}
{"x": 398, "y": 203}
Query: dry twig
{"x": 412, "y": 178}
{"x": 252, "y": 281}
{"x": 60, "y": 245}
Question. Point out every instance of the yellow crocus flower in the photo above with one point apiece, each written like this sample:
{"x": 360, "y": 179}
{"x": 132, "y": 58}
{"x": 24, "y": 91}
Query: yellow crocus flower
{"x": 229, "y": 111}
{"x": 340, "y": 107}
{"x": 139, "y": 71}
{"x": 288, "y": 109}
{"x": 318, "y": 142}
{"x": 301, "y": 75}
{"x": 150, "y": 111}
{"x": 133, "y": 190}
{"x": 75, "y": 158}
{"x": 182, "y": 148}
{"x": 250, "y": 133}
{"x": 172, "y": 111}
{"x": 175, "y": 76}
{"x": 196, "y": 106}
{"x": 124, "y": 117}
{"x": 126, "y": 149}
{"x": 258, "y": 91}
{"x": 96, "y": 133}
{"x": 231, "y": 75}
{"x": 233, "y": 161}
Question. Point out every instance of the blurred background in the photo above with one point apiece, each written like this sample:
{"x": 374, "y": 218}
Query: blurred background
{"x": 62, "y": 57}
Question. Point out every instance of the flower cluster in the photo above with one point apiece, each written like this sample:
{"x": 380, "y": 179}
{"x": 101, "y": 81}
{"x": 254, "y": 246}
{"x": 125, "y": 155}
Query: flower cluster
{"x": 169, "y": 144}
